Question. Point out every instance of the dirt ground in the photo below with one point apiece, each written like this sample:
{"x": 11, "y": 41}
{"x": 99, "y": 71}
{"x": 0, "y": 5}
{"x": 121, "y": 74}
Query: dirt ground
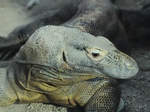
{"x": 135, "y": 92}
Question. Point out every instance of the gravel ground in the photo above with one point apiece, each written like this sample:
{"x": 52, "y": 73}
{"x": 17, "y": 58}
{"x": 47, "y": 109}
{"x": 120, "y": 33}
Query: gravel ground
{"x": 135, "y": 92}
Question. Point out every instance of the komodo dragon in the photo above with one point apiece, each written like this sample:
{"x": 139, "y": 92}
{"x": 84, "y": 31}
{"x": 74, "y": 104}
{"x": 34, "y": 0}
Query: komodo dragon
{"x": 97, "y": 17}
{"x": 67, "y": 67}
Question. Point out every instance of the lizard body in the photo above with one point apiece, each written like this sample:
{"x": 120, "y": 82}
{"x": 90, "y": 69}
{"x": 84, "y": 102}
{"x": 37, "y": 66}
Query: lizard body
{"x": 67, "y": 67}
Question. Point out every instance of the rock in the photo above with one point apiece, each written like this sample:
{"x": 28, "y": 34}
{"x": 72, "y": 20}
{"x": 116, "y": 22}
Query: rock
{"x": 136, "y": 92}
{"x": 135, "y": 15}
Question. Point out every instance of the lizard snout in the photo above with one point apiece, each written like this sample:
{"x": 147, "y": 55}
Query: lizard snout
{"x": 119, "y": 65}
{"x": 130, "y": 66}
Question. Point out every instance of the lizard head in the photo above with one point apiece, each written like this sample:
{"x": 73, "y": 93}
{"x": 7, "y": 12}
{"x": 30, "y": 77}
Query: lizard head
{"x": 69, "y": 49}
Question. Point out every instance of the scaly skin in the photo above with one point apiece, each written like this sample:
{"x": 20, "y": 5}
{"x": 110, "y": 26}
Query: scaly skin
{"x": 67, "y": 67}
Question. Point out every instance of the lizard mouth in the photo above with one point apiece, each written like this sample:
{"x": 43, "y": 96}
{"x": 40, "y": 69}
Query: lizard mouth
{"x": 74, "y": 70}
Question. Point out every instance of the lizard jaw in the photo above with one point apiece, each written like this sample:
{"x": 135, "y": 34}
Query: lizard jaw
{"x": 120, "y": 66}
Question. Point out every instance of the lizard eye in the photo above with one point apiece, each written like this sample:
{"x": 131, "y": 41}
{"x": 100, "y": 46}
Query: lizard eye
{"x": 96, "y": 54}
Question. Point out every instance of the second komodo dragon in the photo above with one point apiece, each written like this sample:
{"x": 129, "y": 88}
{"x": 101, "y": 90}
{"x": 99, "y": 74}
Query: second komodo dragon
{"x": 67, "y": 67}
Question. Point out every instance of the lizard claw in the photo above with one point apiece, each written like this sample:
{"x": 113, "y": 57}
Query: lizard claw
{"x": 121, "y": 105}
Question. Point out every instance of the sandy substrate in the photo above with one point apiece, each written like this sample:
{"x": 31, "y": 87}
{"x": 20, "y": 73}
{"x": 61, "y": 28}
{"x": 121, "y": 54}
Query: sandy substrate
{"x": 135, "y": 92}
